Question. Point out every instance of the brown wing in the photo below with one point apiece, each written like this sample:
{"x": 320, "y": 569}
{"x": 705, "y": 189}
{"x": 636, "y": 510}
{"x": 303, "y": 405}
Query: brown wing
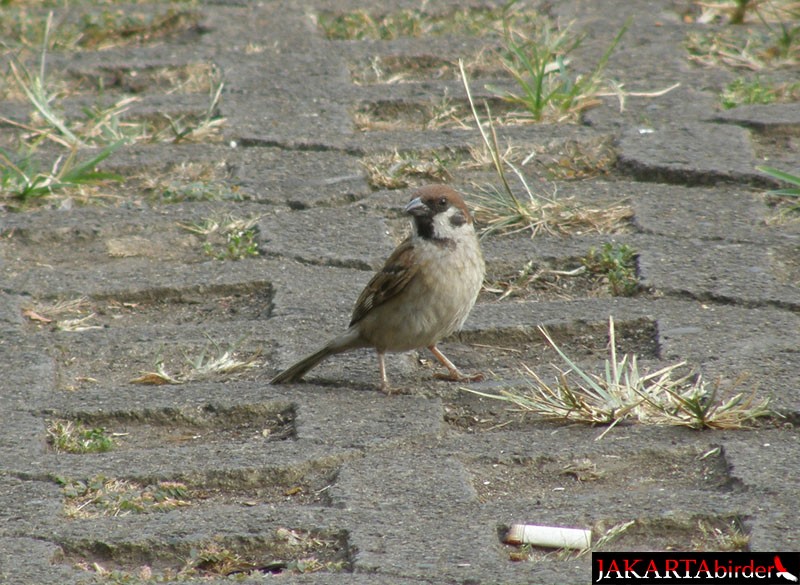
{"x": 388, "y": 282}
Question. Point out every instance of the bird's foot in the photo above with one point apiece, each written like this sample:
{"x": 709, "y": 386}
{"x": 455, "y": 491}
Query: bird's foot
{"x": 456, "y": 376}
{"x": 390, "y": 391}
{"x": 453, "y": 374}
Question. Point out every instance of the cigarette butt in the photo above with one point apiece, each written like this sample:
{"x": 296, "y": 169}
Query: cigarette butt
{"x": 549, "y": 536}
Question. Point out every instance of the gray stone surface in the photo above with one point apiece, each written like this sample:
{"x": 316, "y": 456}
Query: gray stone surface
{"x": 415, "y": 487}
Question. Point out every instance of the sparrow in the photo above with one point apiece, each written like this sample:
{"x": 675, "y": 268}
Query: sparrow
{"x": 424, "y": 292}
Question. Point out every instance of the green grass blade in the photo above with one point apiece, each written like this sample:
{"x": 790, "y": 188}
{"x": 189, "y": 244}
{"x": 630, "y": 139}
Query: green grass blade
{"x": 782, "y": 176}
{"x": 84, "y": 172}
{"x": 601, "y": 64}
{"x": 34, "y": 91}
{"x": 779, "y": 174}
{"x": 574, "y": 367}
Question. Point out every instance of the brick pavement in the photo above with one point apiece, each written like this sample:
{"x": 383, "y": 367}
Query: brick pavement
{"x": 394, "y": 489}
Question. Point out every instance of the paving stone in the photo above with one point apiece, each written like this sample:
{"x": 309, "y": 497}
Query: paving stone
{"x": 688, "y": 155}
{"x": 295, "y": 177}
{"x": 720, "y": 270}
{"x": 704, "y": 214}
{"x": 21, "y": 562}
{"x": 774, "y": 118}
{"x": 415, "y": 487}
{"x": 349, "y": 420}
{"x": 361, "y": 238}
{"x": 763, "y": 464}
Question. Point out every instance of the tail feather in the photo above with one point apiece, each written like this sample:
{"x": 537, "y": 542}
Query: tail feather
{"x": 341, "y": 344}
{"x": 298, "y": 370}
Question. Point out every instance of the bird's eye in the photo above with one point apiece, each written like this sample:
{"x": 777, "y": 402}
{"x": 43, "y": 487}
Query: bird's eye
{"x": 443, "y": 202}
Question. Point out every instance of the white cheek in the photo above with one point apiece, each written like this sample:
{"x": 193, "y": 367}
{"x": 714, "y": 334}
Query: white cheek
{"x": 442, "y": 226}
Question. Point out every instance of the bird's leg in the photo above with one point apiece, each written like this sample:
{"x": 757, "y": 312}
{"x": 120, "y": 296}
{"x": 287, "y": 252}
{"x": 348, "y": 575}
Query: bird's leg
{"x": 453, "y": 374}
{"x": 384, "y": 380}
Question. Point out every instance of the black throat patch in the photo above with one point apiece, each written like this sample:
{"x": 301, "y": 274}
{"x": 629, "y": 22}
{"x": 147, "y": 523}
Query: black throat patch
{"x": 425, "y": 230}
{"x": 424, "y": 225}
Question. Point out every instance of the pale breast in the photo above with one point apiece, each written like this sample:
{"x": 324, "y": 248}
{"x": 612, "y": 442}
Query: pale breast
{"x": 434, "y": 304}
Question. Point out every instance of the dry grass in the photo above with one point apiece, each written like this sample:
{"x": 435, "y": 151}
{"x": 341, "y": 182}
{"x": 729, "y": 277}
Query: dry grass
{"x": 575, "y": 159}
{"x": 187, "y": 79}
{"x": 502, "y": 210}
{"x": 286, "y": 551}
{"x": 192, "y": 181}
{"x": 179, "y": 174}
{"x": 24, "y": 27}
{"x": 103, "y": 126}
{"x": 775, "y": 45}
{"x": 444, "y": 113}
{"x": 66, "y": 436}
{"x": 101, "y": 496}
{"x": 399, "y": 69}
{"x": 551, "y": 282}
{"x": 222, "y": 225}
{"x": 622, "y": 392}
{"x": 193, "y": 78}
{"x": 227, "y": 238}
{"x": 206, "y": 365}
{"x": 730, "y": 536}
{"x": 564, "y": 160}
{"x": 361, "y": 24}
{"x": 399, "y": 170}
{"x": 74, "y": 315}
{"x": 394, "y": 69}
{"x": 739, "y": 11}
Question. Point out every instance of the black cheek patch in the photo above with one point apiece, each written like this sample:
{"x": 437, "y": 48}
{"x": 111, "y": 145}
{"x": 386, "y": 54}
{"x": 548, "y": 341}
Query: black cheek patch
{"x": 457, "y": 219}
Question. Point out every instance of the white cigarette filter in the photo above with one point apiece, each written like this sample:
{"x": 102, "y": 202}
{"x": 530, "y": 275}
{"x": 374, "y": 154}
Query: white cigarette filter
{"x": 549, "y": 536}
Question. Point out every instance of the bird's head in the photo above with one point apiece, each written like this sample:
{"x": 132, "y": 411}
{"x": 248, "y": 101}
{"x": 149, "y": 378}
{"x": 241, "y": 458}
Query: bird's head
{"x": 439, "y": 213}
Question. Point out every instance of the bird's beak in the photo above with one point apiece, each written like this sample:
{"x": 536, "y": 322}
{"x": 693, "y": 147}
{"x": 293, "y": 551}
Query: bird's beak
{"x": 416, "y": 207}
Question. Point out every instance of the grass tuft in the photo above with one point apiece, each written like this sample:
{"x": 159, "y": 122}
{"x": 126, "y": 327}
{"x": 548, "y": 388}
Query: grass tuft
{"x": 73, "y": 437}
{"x": 100, "y": 496}
{"x": 731, "y": 536}
{"x": 622, "y": 392}
{"x": 22, "y": 179}
{"x": 616, "y": 263}
{"x": 229, "y": 238}
{"x": 785, "y": 177}
{"x": 401, "y": 169}
{"x": 219, "y": 363}
{"x": 742, "y": 92}
{"x": 100, "y": 28}
{"x": 539, "y": 64}
{"x": 788, "y": 198}
{"x": 414, "y": 23}
{"x": 285, "y": 552}
{"x": 503, "y": 211}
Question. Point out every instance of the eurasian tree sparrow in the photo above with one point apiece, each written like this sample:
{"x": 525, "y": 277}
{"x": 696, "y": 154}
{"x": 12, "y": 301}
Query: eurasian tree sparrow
{"x": 422, "y": 294}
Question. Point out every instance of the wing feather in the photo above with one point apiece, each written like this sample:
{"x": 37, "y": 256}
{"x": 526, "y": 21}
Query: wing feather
{"x": 388, "y": 282}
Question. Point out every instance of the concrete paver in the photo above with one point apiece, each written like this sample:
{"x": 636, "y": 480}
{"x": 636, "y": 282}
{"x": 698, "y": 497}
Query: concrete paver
{"x": 417, "y": 487}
